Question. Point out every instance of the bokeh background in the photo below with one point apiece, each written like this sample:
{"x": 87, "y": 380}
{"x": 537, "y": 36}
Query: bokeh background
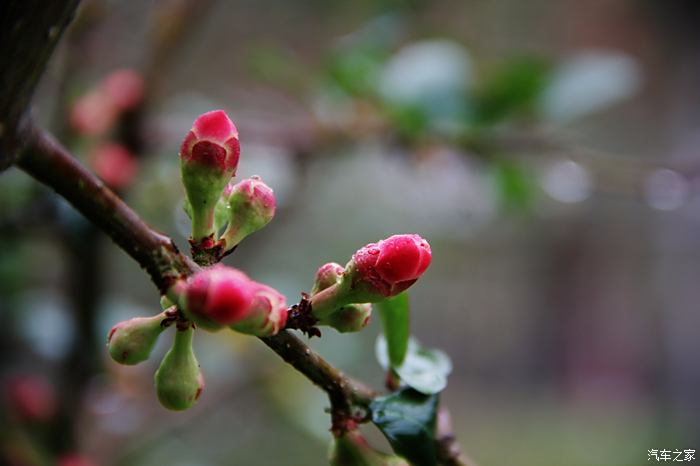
{"x": 547, "y": 149}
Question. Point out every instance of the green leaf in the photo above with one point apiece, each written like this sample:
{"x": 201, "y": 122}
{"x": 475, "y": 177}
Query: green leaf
{"x": 394, "y": 313}
{"x": 423, "y": 369}
{"x": 514, "y": 184}
{"x": 407, "y": 419}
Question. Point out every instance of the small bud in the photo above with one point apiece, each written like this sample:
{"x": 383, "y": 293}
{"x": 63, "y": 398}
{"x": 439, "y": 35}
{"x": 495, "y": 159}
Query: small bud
{"x": 375, "y": 272}
{"x": 388, "y": 267}
{"x": 124, "y": 88}
{"x": 30, "y": 397}
{"x": 131, "y": 342}
{"x": 350, "y": 318}
{"x": 218, "y": 296}
{"x": 178, "y": 380}
{"x": 208, "y": 159}
{"x": 115, "y": 164}
{"x": 93, "y": 114}
{"x": 327, "y": 275}
{"x": 251, "y": 206}
{"x": 351, "y": 449}
{"x": 267, "y": 314}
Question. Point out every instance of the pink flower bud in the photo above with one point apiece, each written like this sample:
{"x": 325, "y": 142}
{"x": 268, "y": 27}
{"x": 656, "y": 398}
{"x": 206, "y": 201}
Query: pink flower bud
{"x": 114, "y": 164}
{"x": 31, "y": 398}
{"x": 218, "y": 296}
{"x": 327, "y": 275}
{"x": 267, "y": 314}
{"x": 251, "y": 206}
{"x": 213, "y": 142}
{"x": 391, "y": 265}
{"x": 93, "y": 114}
{"x": 208, "y": 159}
{"x": 124, "y": 88}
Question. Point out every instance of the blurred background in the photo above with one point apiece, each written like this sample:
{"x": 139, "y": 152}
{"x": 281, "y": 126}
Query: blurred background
{"x": 548, "y": 150}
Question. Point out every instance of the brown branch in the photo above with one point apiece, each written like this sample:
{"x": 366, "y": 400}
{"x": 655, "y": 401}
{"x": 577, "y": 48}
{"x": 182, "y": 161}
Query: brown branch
{"x": 29, "y": 31}
{"x": 47, "y": 161}
{"x": 345, "y": 395}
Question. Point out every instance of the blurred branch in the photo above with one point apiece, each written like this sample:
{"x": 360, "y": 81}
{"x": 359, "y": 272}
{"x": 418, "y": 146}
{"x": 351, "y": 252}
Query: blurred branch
{"x": 29, "y": 31}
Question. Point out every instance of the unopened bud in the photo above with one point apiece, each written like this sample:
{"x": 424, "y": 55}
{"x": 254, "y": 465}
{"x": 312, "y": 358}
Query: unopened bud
{"x": 30, "y": 397}
{"x": 131, "y": 342}
{"x": 115, "y": 164}
{"x": 375, "y": 272}
{"x": 351, "y": 449}
{"x": 208, "y": 159}
{"x": 178, "y": 380}
{"x": 387, "y": 268}
{"x": 124, "y": 88}
{"x": 327, "y": 275}
{"x": 218, "y": 296}
{"x": 251, "y": 206}
{"x": 267, "y": 314}
{"x": 349, "y": 318}
{"x": 93, "y": 114}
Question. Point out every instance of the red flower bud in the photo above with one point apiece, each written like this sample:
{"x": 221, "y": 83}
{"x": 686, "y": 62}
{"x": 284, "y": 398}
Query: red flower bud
{"x": 31, "y": 398}
{"x": 391, "y": 265}
{"x": 267, "y": 314}
{"x": 114, "y": 164}
{"x": 208, "y": 159}
{"x": 218, "y": 296}
{"x": 251, "y": 206}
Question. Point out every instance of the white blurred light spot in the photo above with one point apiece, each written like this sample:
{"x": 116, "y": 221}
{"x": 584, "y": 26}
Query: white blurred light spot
{"x": 422, "y": 69}
{"x": 567, "y": 181}
{"x": 46, "y": 325}
{"x": 666, "y": 189}
{"x": 589, "y": 82}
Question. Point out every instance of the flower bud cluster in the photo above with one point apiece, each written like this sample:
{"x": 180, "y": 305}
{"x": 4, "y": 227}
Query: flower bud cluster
{"x": 223, "y": 296}
{"x": 97, "y": 113}
{"x": 340, "y": 295}
{"x": 208, "y": 162}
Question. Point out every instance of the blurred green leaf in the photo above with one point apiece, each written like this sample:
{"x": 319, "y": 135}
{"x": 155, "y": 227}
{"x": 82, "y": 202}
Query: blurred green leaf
{"x": 275, "y": 65}
{"x": 515, "y": 186}
{"x": 355, "y": 70}
{"x": 423, "y": 369}
{"x": 409, "y": 121}
{"x": 395, "y": 315}
{"x": 407, "y": 419}
{"x": 513, "y": 90}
